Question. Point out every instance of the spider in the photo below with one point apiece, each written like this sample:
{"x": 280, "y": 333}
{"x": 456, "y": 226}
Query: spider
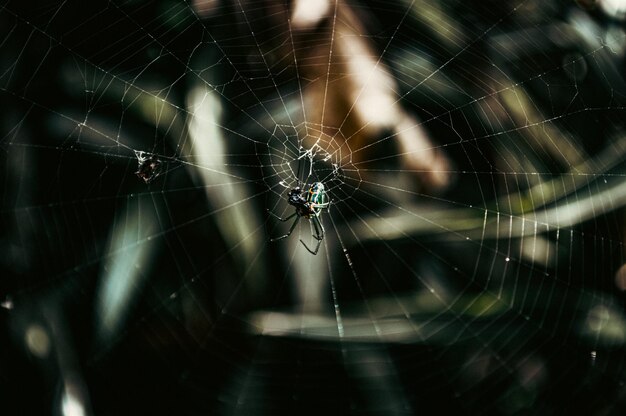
{"x": 309, "y": 204}
{"x": 149, "y": 166}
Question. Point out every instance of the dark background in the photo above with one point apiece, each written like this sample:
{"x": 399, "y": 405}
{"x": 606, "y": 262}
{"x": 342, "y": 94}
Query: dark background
{"x": 523, "y": 336}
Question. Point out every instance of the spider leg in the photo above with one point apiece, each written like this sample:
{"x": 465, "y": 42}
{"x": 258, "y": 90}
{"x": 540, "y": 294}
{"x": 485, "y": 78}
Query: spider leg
{"x": 282, "y": 219}
{"x": 290, "y": 229}
{"x": 319, "y": 228}
{"x": 319, "y": 235}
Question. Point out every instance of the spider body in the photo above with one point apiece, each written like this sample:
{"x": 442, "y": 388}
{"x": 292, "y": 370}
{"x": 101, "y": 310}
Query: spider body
{"x": 309, "y": 204}
{"x": 149, "y": 166}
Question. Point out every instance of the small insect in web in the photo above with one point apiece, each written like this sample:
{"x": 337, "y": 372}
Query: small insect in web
{"x": 149, "y": 166}
{"x": 309, "y": 202}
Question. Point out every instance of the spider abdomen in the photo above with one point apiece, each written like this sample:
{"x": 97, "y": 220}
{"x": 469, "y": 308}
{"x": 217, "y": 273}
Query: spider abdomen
{"x": 316, "y": 198}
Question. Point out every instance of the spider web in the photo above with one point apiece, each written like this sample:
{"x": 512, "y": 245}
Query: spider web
{"x": 473, "y": 153}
